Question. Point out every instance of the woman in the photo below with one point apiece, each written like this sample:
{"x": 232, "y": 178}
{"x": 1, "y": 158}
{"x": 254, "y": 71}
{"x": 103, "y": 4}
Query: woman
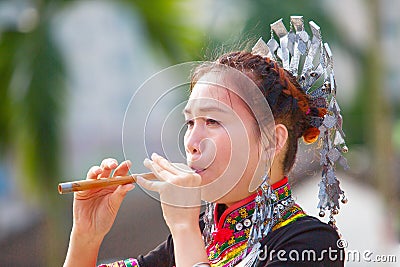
{"x": 240, "y": 161}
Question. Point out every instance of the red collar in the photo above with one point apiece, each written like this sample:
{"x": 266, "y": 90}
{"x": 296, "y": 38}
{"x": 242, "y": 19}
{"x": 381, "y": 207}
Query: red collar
{"x": 244, "y": 202}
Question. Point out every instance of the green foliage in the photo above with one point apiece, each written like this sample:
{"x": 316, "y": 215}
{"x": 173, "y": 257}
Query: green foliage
{"x": 41, "y": 112}
{"x": 31, "y": 97}
{"x": 166, "y": 22}
{"x": 8, "y": 43}
{"x": 265, "y": 12}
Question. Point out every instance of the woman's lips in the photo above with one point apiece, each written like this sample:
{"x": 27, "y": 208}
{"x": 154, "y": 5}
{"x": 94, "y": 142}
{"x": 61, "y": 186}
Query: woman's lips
{"x": 198, "y": 171}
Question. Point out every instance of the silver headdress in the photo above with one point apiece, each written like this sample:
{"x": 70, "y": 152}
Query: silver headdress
{"x": 310, "y": 60}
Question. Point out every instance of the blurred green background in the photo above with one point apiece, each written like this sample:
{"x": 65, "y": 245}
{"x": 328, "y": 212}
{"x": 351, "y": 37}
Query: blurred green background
{"x": 68, "y": 69}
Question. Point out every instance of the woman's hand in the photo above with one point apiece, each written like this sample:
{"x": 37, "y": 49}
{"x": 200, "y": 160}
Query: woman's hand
{"x": 180, "y": 201}
{"x": 179, "y": 192}
{"x": 95, "y": 210}
{"x": 94, "y": 214}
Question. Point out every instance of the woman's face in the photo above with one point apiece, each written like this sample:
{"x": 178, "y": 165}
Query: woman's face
{"x": 221, "y": 143}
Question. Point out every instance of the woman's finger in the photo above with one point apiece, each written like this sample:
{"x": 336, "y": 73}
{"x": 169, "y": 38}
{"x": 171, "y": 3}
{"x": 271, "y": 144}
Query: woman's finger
{"x": 94, "y": 172}
{"x": 123, "y": 168}
{"x": 108, "y": 165}
{"x": 164, "y": 163}
{"x": 118, "y": 196}
{"x": 148, "y": 184}
{"x": 158, "y": 171}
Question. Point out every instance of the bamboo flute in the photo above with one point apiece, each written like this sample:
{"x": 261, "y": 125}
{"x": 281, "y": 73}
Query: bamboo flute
{"x": 82, "y": 185}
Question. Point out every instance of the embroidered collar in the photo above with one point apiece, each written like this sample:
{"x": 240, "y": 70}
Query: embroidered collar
{"x": 281, "y": 190}
{"x": 232, "y": 227}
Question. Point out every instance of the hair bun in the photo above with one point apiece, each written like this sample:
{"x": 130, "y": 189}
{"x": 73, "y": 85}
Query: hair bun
{"x": 311, "y": 135}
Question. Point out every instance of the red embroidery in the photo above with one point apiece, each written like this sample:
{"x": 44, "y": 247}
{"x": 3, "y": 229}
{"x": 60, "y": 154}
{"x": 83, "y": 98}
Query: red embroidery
{"x": 222, "y": 235}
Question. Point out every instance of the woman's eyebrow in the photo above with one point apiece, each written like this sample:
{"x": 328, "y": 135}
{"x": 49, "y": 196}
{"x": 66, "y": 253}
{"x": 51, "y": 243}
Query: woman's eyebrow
{"x": 205, "y": 109}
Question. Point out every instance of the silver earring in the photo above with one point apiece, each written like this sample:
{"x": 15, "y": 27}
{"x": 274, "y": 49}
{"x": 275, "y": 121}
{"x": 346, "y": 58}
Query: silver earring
{"x": 263, "y": 213}
{"x": 208, "y": 219}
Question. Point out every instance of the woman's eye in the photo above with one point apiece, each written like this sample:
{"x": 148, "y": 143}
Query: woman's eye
{"x": 212, "y": 122}
{"x": 189, "y": 123}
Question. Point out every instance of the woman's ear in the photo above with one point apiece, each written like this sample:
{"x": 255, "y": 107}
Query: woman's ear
{"x": 281, "y": 136}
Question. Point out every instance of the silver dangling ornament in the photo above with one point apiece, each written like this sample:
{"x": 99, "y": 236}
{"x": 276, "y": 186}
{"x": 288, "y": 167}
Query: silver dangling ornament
{"x": 310, "y": 61}
{"x": 263, "y": 212}
{"x": 208, "y": 219}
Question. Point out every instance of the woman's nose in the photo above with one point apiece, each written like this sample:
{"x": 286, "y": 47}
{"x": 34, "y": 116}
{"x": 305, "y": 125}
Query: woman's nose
{"x": 193, "y": 138}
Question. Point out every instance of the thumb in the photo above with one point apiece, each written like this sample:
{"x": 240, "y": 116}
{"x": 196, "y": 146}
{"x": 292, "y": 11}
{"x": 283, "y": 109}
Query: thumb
{"x": 119, "y": 194}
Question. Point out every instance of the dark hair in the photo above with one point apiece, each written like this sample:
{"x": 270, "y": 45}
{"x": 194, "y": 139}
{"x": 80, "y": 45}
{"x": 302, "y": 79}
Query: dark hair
{"x": 289, "y": 104}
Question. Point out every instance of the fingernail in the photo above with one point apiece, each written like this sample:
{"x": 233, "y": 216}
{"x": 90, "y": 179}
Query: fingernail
{"x": 112, "y": 164}
{"x": 146, "y": 161}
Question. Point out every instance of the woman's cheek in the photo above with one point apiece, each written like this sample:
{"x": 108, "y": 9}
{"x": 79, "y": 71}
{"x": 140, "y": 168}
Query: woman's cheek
{"x": 224, "y": 149}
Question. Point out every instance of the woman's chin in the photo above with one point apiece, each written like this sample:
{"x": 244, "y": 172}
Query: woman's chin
{"x": 207, "y": 177}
